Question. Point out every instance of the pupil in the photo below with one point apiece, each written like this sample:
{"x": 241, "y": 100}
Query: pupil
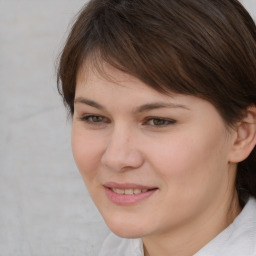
{"x": 96, "y": 119}
{"x": 158, "y": 122}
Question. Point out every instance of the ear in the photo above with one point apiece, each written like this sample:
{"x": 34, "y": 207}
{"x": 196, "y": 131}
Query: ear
{"x": 245, "y": 136}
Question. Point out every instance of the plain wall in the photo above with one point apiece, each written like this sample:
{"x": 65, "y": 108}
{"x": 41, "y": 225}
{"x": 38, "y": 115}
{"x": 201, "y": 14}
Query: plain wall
{"x": 45, "y": 209}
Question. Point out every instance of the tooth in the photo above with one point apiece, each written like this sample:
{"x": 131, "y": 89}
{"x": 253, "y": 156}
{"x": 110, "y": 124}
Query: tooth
{"x": 128, "y": 191}
{"x": 136, "y": 191}
{"x": 118, "y": 191}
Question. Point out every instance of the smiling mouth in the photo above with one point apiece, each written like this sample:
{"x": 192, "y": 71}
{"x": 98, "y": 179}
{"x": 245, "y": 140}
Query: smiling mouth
{"x": 128, "y": 194}
{"x": 135, "y": 191}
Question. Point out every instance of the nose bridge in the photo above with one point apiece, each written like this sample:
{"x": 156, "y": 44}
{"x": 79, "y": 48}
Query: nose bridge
{"x": 122, "y": 149}
{"x": 121, "y": 131}
{"x": 119, "y": 141}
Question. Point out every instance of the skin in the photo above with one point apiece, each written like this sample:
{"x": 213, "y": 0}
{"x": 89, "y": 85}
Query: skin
{"x": 182, "y": 148}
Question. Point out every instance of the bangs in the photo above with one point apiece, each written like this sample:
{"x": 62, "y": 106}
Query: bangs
{"x": 135, "y": 45}
{"x": 186, "y": 47}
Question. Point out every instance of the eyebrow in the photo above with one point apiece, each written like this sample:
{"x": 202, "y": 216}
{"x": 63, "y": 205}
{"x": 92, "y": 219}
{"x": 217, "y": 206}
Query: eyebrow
{"x": 157, "y": 105}
{"x": 89, "y": 102}
{"x": 140, "y": 109}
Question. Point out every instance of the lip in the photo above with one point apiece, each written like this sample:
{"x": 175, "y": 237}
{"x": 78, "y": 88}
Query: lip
{"x": 123, "y": 199}
{"x": 126, "y": 185}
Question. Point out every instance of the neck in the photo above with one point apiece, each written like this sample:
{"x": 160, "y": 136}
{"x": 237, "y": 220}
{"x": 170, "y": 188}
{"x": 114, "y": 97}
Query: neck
{"x": 196, "y": 234}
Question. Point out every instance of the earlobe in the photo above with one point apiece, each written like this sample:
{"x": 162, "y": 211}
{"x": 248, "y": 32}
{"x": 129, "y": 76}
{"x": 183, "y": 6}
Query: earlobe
{"x": 245, "y": 139}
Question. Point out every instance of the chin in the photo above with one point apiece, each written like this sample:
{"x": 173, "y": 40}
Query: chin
{"x": 126, "y": 229}
{"x": 121, "y": 232}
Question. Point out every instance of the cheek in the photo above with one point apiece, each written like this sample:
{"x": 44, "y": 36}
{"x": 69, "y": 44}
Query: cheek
{"x": 173, "y": 158}
{"x": 87, "y": 153}
{"x": 187, "y": 161}
{"x": 190, "y": 171}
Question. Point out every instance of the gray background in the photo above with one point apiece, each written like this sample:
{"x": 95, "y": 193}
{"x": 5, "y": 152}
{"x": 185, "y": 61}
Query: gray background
{"x": 45, "y": 209}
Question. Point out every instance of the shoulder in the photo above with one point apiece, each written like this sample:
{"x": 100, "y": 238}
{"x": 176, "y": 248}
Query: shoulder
{"x": 238, "y": 239}
{"x": 116, "y": 246}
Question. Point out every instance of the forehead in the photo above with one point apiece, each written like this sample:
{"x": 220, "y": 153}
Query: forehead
{"x": 104, "y": 78}
{"x": 118, "y": 90}
{"x": 95, "y": 69}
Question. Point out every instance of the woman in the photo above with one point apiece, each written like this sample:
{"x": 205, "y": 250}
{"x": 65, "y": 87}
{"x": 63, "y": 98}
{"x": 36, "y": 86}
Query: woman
{"x": 162, "y": 95}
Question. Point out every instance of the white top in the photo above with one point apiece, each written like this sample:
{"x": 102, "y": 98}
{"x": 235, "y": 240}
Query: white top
{"x": 238, "y": 239}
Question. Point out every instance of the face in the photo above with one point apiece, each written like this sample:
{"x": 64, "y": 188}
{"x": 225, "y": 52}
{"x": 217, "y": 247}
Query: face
{"x": 152, "y": 163}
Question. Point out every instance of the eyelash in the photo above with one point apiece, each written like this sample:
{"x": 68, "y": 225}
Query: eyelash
{"x": 158, "y": 122}
{"x": 89, "y": 119}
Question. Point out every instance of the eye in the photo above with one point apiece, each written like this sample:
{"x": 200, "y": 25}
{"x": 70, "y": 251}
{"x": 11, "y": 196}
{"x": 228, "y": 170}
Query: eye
{"x": 159, "y": 122}
{"x": 94, "y": 119}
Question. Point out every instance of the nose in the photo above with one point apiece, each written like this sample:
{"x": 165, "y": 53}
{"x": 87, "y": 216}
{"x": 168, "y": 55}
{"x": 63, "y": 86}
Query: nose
{"x": 122, "y": 151}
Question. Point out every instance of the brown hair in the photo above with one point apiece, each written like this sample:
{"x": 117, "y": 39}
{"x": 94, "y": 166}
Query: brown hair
{"x": 205, "y": 48}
